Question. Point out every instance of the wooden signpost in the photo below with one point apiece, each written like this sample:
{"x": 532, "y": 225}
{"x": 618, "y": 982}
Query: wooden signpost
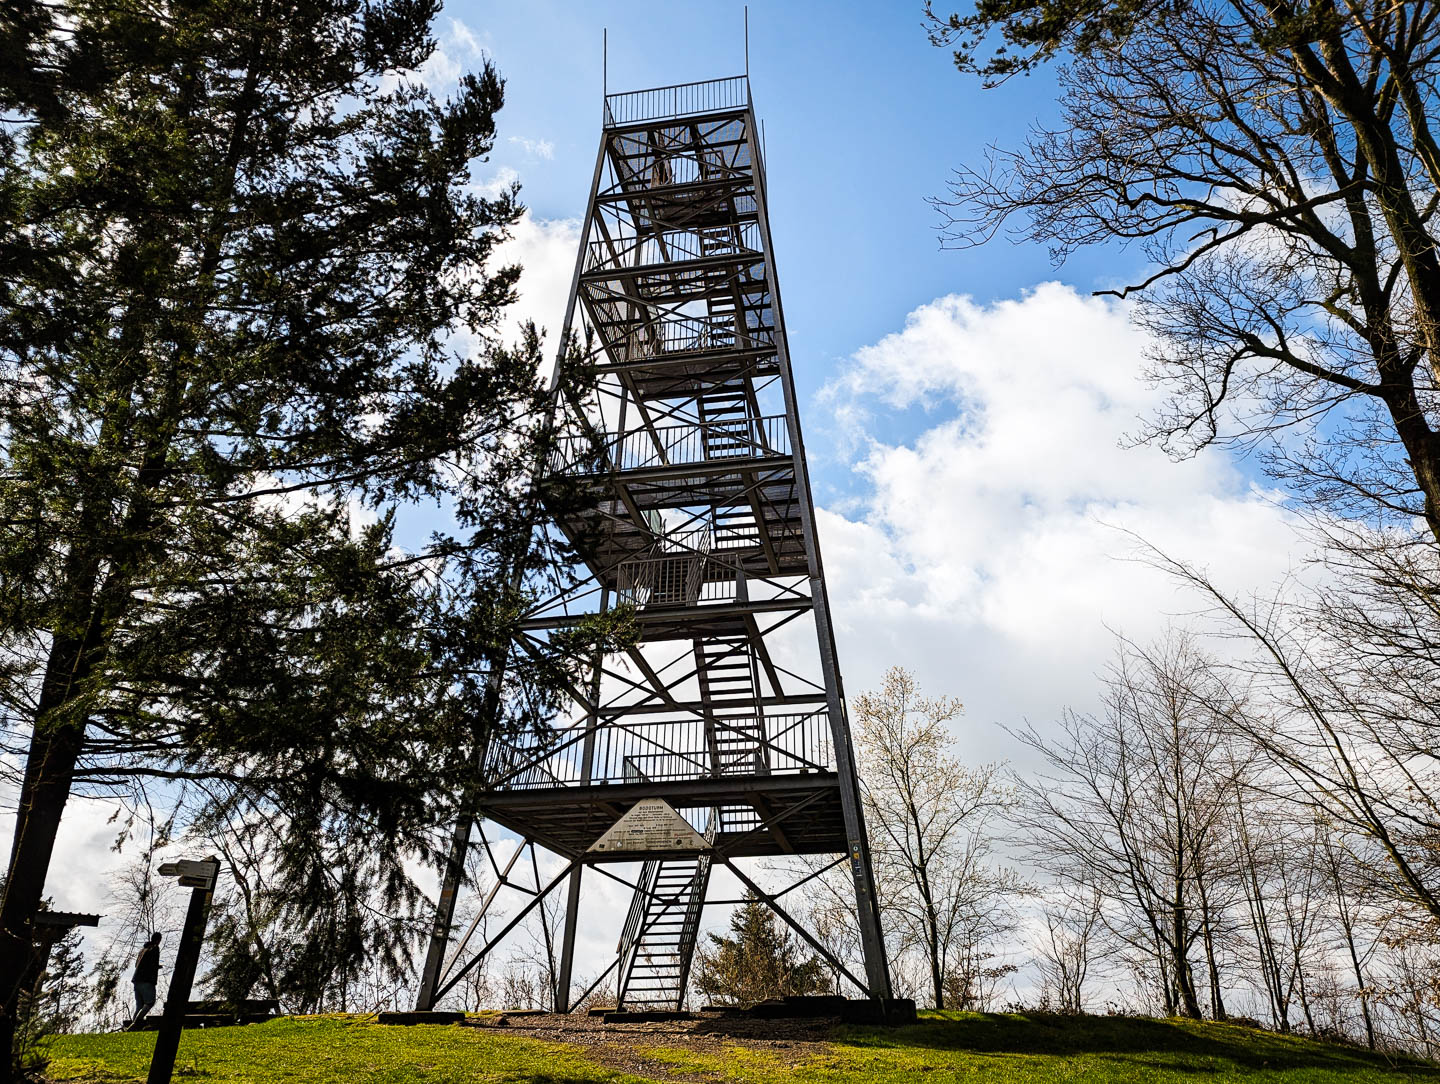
{"x": 200, "y": 877}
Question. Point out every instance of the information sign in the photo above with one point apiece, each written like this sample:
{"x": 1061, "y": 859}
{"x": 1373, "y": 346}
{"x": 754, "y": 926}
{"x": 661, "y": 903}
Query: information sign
{"x": 651, "y": 825}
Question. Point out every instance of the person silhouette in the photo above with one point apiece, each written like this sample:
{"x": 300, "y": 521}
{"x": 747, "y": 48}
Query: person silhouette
{"x": 147, "y": 974}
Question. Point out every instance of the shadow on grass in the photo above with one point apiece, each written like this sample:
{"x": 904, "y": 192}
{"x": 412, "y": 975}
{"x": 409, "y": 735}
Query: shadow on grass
{"x": 1167, "y": 1043}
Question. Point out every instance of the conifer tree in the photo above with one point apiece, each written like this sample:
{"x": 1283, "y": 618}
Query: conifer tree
{"x": 759, "y": 960}
{"x": 237, "y": 243}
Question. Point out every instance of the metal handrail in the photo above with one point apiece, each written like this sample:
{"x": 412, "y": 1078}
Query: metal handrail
{"x": 674, "y": 246}
{"x": 630, "y": 932}
{"x": 680, "y": 173}
{"x": 678, "y": 100}
{"x": 661, "y": 751}
{"x": 687, "y": 443}
{"x": 690, "y": 334}
{"x": 676, "y": 579}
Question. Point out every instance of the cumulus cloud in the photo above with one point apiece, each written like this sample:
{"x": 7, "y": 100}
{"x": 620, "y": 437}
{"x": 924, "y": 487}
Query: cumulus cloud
{"x": 991, "y": 552}
{"x": 462, "y": 38}
{"x": 545, "y": 250}
{"x": 535, "y": 148}
{"x": 455, "y": 50}
{"x": 498, "y": 184}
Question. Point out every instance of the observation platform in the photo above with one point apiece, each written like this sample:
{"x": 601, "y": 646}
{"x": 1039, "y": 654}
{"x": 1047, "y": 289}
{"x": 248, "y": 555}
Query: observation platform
{"x": 760, "y": 816}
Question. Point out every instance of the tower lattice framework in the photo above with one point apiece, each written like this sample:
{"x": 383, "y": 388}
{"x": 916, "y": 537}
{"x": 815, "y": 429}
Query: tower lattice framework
{"x": 697, "y": 515}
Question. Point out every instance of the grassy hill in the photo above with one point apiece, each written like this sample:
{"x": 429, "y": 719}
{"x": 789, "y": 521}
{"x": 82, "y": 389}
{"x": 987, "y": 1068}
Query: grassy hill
{"x": 996, "y": 1048}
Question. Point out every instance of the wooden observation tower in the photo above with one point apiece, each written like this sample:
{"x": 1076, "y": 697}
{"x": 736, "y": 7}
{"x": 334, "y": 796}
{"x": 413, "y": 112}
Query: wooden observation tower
{"x": 721, "y": 737}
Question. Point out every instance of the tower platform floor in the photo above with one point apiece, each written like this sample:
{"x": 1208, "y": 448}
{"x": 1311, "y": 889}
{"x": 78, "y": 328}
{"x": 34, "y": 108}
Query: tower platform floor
{"x": 802, "y": 811}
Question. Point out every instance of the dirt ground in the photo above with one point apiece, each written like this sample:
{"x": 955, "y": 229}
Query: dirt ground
{"x": 619, "y": 1046}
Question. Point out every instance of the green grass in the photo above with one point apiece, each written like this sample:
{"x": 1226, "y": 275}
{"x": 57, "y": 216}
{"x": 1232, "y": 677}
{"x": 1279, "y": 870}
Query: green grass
{"x": 329, "y": 1050}
{"x": 943, "y": 1047}
{"x": 996, "y": 1047}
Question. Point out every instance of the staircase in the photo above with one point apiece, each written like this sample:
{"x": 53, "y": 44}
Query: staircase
{"x": 658, "y": 941}
{"x": 735, "y": 528}
{"x": 729, "y": 678}
{"x": 725, "y": 425}
{"x": 727, "y": 673}
{"x": 722, "y": 312}
{"x": 659, "y": 938}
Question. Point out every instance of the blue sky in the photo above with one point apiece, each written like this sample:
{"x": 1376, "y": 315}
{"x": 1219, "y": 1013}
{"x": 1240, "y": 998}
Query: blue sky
{"x": 864, "y": 121}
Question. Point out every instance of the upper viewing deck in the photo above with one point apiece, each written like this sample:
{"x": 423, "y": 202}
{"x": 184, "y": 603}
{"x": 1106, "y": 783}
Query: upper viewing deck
{"x": 680, "y": 100}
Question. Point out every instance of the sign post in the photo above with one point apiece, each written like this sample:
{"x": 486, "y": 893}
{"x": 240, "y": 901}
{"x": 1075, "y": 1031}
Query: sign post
{"x": 199, "y": 876}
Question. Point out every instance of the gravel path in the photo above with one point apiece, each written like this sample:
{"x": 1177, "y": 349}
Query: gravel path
{"x": 621, "y": 1046}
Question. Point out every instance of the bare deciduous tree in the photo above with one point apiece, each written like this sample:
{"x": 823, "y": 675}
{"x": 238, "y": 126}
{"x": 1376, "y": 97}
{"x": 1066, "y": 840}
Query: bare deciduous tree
{"x": 930, "y": 818}
{"x": 1277, "y": 164}
{"x": 1066, "y": 949}
{"x": 1349, "y": 674}
{"x": 1132, "y": 808}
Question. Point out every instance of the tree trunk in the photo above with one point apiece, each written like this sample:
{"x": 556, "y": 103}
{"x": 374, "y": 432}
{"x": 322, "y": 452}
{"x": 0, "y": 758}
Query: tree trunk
{"x": 1189, "y": 1004}
{"x": 1421, "y": 443}
{"x": 55, "y": 745}
{"x": 1304, "y": 993}
{"x": 1217, "y": 1003}
{"x": 937, "y": 976}
{"x": 1167, "y": 986}
{"x": 1207, "y": 931}
{"x": 1361, "y": 991}
{"x": 1338, "y": 82}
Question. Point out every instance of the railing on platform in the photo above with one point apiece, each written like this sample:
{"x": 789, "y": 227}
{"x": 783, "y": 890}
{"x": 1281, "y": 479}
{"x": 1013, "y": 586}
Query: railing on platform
{"x": 677, "y": 579}
{"x": 674, "y": 246}
{"x": 691, "y": 334}
{"x": 657, "y": 751}
{"x": 673, "y": 174}
{"x": 680, "y": 100}
{"x": 685, "y": 444}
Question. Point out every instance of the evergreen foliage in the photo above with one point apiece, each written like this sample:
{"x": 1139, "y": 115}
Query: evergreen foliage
{"x": 242, "y": 264}
{"x": 64, "y": 992}
{"x": 53, "y": 995}
{"x": 759, "y": 960}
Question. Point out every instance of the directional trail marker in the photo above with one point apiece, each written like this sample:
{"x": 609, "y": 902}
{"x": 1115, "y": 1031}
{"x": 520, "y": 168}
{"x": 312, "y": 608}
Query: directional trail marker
{"x": 199, "y": 876}
{"x": 191, "y": 873}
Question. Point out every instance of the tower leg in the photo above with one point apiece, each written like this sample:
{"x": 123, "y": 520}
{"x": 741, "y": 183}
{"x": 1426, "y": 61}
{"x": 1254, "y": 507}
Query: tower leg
{"x": 444, "y": 913}
{"x": 587, "y": 762}
{"x": 867, "y": 907}
{"x": 567, "y": 942}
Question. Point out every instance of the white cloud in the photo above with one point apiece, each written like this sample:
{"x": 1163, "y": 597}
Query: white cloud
{"x": 462, "y": 38}
{"x": 442, "y": 68}
{"x": 545, "y": 249}
{"x": 986, "y": 554}
{"x": 497, "y": 185}
{"x": 535, "y": 148}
